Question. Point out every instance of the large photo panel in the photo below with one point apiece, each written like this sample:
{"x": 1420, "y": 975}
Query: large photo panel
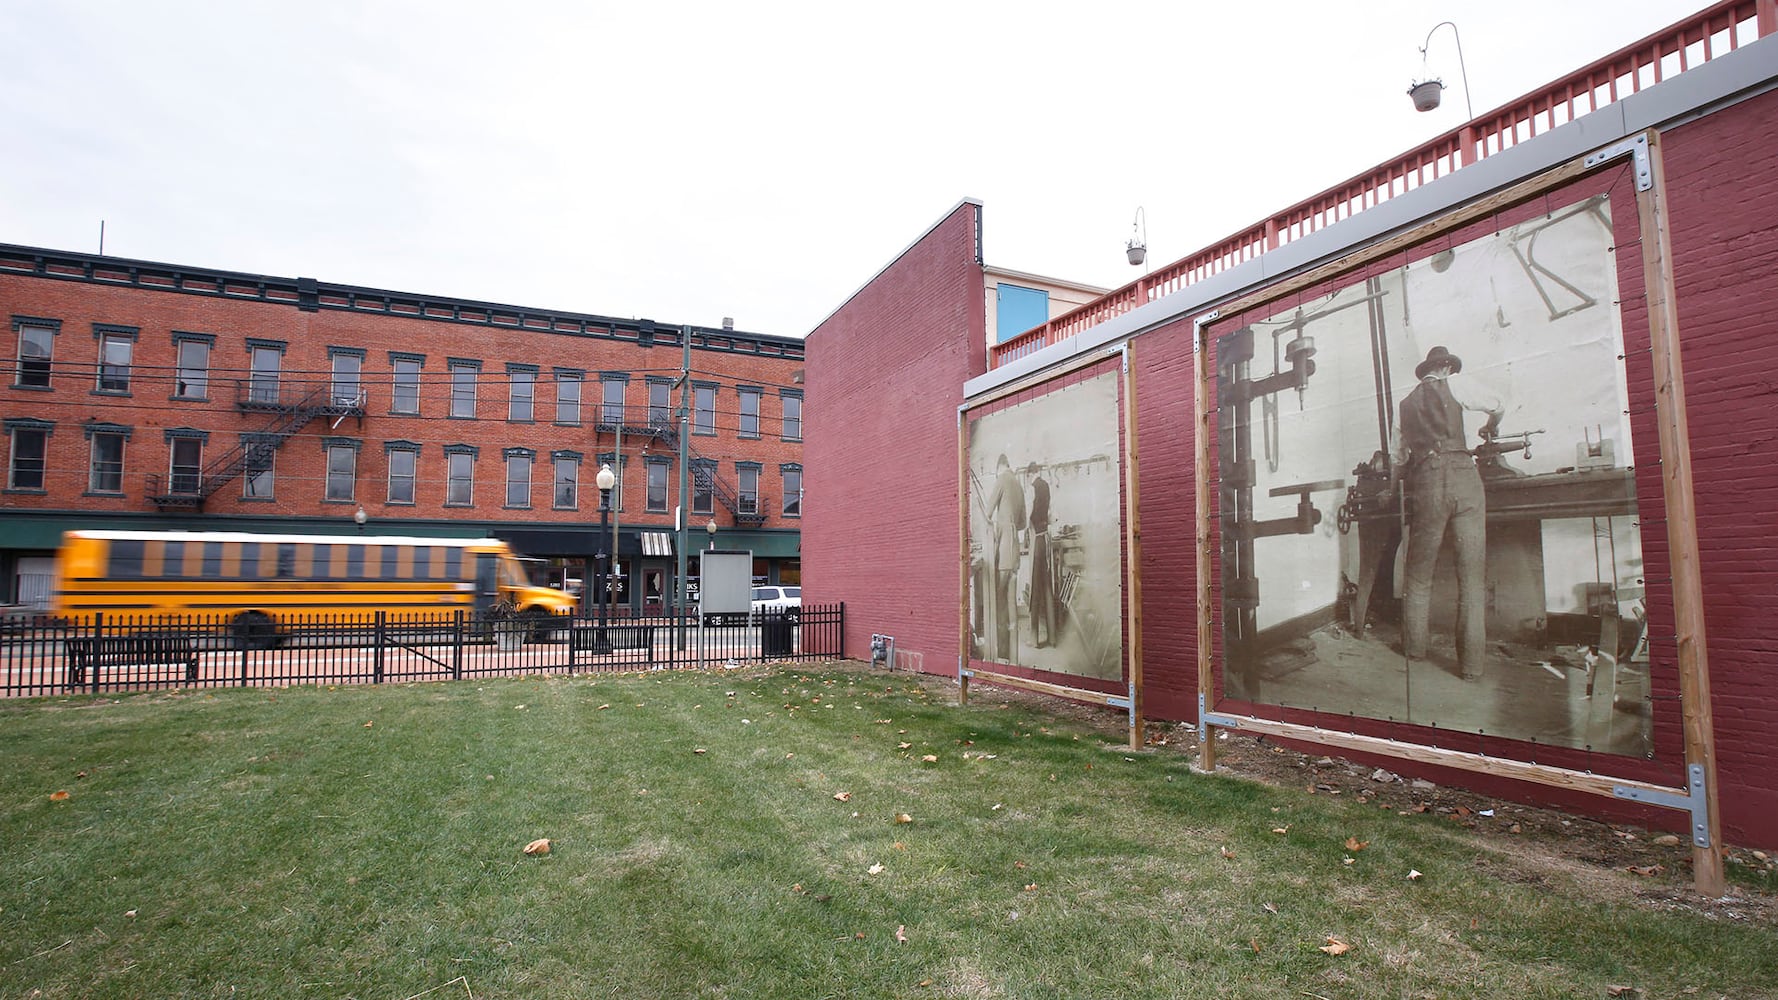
{"x": 1045, "y": 586}
{"x": 1427, "y": 501}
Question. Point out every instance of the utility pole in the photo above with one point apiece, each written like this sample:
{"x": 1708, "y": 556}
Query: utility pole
{"x": 684, "y": 499}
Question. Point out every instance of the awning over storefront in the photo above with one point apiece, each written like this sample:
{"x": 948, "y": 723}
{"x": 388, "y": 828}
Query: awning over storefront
{"x": 657, "y": 543}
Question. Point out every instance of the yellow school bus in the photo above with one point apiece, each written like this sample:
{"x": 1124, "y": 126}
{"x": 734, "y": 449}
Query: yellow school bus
{"x": 257, "y": 583}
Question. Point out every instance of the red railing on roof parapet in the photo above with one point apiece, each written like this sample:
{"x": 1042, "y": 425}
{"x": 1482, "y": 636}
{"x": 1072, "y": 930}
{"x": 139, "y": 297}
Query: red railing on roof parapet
{"x": 1705, "y": 35}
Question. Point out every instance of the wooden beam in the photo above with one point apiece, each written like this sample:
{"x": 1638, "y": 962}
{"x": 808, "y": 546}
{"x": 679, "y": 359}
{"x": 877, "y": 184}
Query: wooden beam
{"x": 1133, "y": 546}
{"x": 1500, "y": 767}
{"x": 963, "y": 624}
{"x": 1682, "y": 526}
{"x": 1044, "y": 687}
{"x": 1201, "y": 397}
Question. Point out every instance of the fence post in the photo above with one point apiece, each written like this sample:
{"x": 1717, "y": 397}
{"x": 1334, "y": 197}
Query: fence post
{"x": 457, "y": 644}
{"x": 98, "y": 644}
{"x": 573, "y": 643}
{"x": 240, "y": 641}
{"x": 841, "y": 651}
{"x": 382, "y": 636}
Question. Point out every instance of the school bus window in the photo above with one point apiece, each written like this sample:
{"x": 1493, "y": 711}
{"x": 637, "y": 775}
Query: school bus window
{"x": 422, "y": 562}
{"x": 212, "y": 560}
{"x": 453, "y": 564}
{"x": 126, "y": 559}
{"x": 355, "y": 562}
{"x": 286, "y": 560}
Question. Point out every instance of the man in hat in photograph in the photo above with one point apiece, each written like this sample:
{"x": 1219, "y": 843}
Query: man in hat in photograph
{"x": 1006, "y": 513}
{"x": 1444, "y": 497}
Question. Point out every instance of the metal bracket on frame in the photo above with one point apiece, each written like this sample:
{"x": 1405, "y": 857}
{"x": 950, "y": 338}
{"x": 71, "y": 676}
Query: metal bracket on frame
{"x": 1695, "y": 803}
{"x": 1635, "y": 147}
{"x": 1207, "y": 718}
{"x": 1198, "y": 329}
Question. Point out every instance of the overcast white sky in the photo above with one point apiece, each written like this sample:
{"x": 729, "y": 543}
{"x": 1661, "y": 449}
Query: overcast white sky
{"x": 690, "y": 161}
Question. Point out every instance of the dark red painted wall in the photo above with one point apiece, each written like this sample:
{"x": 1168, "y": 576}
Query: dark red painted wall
{"x": 885, "y": 379}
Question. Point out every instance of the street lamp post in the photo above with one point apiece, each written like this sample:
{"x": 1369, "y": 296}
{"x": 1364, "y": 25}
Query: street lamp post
{"x": 711, "y": 528}
{"x": 605, "y": 480}
{"x": 359, "y": 517}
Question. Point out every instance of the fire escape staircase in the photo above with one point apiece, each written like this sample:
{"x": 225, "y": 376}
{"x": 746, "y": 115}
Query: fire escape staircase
{"x": 748, "y": 512}
{"x": 286, "y": 413}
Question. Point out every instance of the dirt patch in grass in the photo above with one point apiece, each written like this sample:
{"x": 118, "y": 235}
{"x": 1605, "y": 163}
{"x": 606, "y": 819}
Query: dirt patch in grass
{"x": 1528, "y": 845}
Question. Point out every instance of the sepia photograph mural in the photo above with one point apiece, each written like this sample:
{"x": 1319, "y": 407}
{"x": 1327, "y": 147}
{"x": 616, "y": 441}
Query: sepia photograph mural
{"x": 1043, "y": 492}
{"x": 1427, "y": 502}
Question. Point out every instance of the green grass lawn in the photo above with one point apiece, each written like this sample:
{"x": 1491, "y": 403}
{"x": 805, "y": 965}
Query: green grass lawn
{"x": 740, "y": 834}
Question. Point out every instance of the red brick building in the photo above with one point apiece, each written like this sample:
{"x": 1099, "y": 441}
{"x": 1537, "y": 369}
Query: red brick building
{"x": 150, "y": 395}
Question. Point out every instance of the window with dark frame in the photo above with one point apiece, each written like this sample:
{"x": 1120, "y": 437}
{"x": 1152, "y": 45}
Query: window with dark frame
{"x": 404, "y": 394}
{"x": 568, "y": 396}
{"x": 265, "y": 362}
{"x": 611, "y": 410}
{"x": 518, "y": 477}
{"x": 259, "y": 474}
{"x": 660, "y": 403}
{"x": 749, "y": 489}
{"x": 703, "y": 482}
{"x": 106, "y": 472}
{"x": 191, "y": 374}
{"x": 459, "y": 476}
{"x": 117, "y": 350}
{"x": 404, "y": 463}
{"x": 793, "y": 416}
{"x": 27, "y": 465}
{"x": 37, "y": 346}
{"x": 521, "y": 394}
{"x": 793, "y": 490}
{"x": 703, "y": 420}
{"x": 348, "y": 370}
{"x": 567, "y": 485}
{"x": 185, "y": 465}
{"x": 657, "y": 487}
{"x": 463, "y": 376}
{"x": 749, "y": 427}
{"x": 342, "y": 471}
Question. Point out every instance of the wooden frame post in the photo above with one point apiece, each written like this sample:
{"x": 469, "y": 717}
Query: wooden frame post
{"x": 1201, "y": 483}
{"x": 1682, "y": 527}
{"x": 962, "y": 559}
{"x": 1133, "y": 547}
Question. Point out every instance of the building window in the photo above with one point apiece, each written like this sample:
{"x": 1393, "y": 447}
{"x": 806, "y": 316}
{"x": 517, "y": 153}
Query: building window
{"x": 191, "y": 374}
{"x": 702, "y": 490}
{"x": 703, "y": 418}
{"x": 117, "y": 349}
{"x": 37, "y": 347}
{"x": 30, "y": 454}
{"x": 567, "y": 396}
{"x": 348, "y": 371}
{"x": 463, "y": 375}
{"x": 265, "y": 361}
{"x": 749, "y": 413}
{"x": 404, "y": 466}
{"x": 518, "y": 476}
{"x": 185, "y": 463}
{"x": 105, "y": 471}
{"x": 459, "y": 475}
{"x": 522, "y": 393}
{"x": 258, "y": 473}
{"x": 404, "y": 394}
{"x": 660, "y": 403}
{"x": 342, "y": 468}
{"x": 657, "y": 487}
{"x": 793, "y": 416}
{"x": 567, "y": 492}
{"x": 612, "y": 410}
{"x": 749, "y": 476}
{"x": 793, "y": 490}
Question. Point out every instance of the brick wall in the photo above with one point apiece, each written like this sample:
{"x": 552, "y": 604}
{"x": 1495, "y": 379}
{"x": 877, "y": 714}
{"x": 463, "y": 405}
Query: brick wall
{"x": 886, "y": 374}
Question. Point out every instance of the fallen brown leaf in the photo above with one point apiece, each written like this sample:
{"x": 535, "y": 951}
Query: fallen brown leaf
{"x": 875, "y": 869}
{"x": 1621, "y": 991}
{"x": 930, "y": 758}
{"x": 1281, "y": 830}
{"x": 901, "y": 933}
{"x": 924, "y": 982}
{"x": 1255, "y": 944}
{"x": 1269, "y": 908}
{"x": 1413, "y": 875}
{"x": 1354, "y": 844}
{"x": 538, "y": 846}
{"x": 903, "y": 818}
{"x": 1031, "y": 887}
{"x": 1335, "y": 946}
{"x": 843, "y": 796}
{"x": 904, "y": 745}
{"x": 1226, "y": 852}
{"x": 1646, "y": 870}
{"x": 60, "y": 795}
{"x": 700, "y": 750}
{"x": 367, "y": 725}
{"x": 603, "y": 707}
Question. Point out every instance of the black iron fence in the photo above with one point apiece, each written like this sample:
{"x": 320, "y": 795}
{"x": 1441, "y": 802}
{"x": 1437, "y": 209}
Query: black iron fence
{"x": 131, "y": 653}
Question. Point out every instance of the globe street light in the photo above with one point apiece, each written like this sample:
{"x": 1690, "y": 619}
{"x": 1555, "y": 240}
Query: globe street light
{"x": 711, "y": 528}
{"x": 605, "y": 480}
{"x": 359, "y": 517}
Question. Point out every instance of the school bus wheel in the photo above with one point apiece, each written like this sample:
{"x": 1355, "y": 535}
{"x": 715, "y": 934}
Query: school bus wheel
{"x": 254, "y": 630}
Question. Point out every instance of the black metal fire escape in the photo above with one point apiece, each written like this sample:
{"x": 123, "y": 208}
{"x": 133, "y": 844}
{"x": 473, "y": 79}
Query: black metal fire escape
{"x": 288, "y": 409}
{"x": 747, "y": 511}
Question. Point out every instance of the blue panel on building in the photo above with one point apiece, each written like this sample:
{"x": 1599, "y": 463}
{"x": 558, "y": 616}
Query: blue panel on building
{"x": 1020, "y": 309}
